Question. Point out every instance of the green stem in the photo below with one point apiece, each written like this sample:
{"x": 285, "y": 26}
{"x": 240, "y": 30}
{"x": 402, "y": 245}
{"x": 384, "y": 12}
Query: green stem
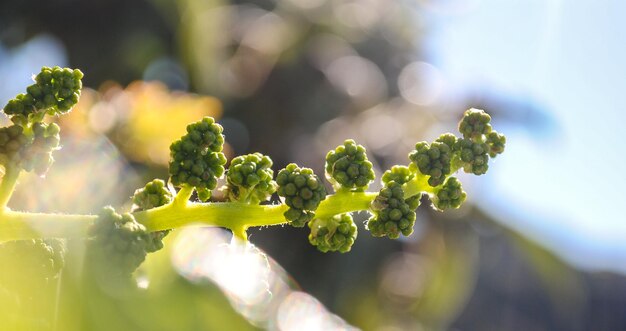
{"x": 240, "y": 233}
{"x": 232, "y": 215}
{"x": 9, "y": 180}
{"x": 182, "y": 197}
{"x": 417, "y": 185}
{"x": 21, "y": 225}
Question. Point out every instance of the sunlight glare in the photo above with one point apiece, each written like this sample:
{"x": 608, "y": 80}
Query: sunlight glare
{"x": 257, "y": 287}
{"x": 302, "y": 312}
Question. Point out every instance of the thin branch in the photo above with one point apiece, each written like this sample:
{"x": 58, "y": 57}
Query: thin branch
{"x": 236, "y": 216}
{"x": 9, "y": 181}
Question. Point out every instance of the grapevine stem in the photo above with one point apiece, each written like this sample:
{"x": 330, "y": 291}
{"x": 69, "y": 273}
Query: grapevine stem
{"x": 236, "y": 216}
{"x": 182, "y": 197}
{"x": 9, "y": 180}
{"x": 16, "y": 225}
{"x": 240, "y": 233}
{"x": 417, "y": 185}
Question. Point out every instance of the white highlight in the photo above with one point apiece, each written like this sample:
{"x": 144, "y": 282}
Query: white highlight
{"x": 256, "y": 286}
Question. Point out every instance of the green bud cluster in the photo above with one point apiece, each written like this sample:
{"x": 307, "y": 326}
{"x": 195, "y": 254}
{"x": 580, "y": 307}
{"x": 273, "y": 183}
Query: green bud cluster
{"x": 337, "y": 233}
{"x": 448, "y": 153}
{"x": 432, "y": 160}
{"x": 398, "y": 174}
{"x": 449, "y": 196}
{"x": 448, "y": 139}
{"x": 37, "y": 156}
{"x": 30, "y": 260}
{"x": 402, "y": 175}
{"x": 496, "y": 143}
{"x": 303, "y": 191}
{"x": 118, "y": 244}
{"x": 32, "y": 151}
{"x": 154, "y": 194}
{"x": 473, "y": 156}
{"x": 347, "y": 167}
{"x": 387, "y": 200}
{"x": 479, "y": 142}
{"x": 56, "y": 91}
{"x": 249, "y": 178}
{"x": 197, "y": 159}
{"x": 392, "y": 213}
{"x": 29, "y": 143}
{"x": 475, "y": 124}
{"x": 12, "y": 141}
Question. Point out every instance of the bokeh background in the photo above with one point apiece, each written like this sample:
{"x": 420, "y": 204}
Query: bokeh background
{"x": 540, "y": 244}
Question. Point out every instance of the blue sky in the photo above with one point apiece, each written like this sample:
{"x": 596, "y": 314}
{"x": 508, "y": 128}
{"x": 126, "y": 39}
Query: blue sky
{"x": 566, "y": 188}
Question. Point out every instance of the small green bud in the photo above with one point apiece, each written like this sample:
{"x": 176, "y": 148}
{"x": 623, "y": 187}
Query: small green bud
{"x": 347, "y": 167}
{"x": 154, "y": 194}
{"x": 337, "y": 233}
{"x": 392, "y": 214}
{"x": 496, "y": 143}
{"x": 473, "y": 156}
{"x": 432, "y": 160}
{"x": 302, "y": 191}
{"x": 448, "y": 139}
{"x": 449, "y": 196}
{"x": 398, "y": 174}
{"x": 197, "y": 158}
{"x": 249, "y": 179}
{"x": 474, "y": 124}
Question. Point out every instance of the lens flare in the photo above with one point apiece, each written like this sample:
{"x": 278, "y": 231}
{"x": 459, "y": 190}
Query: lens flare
{"x": 256, "y": 286}
{"x": 359, "y": 78}
{"x": 421, "y": 83}
{"x": 302, "y": 312}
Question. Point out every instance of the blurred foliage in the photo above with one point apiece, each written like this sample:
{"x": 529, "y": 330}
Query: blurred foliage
{"x": 74, "y": 301}
{"x": 142, "y": 119}
{"x": 294, "y": 79}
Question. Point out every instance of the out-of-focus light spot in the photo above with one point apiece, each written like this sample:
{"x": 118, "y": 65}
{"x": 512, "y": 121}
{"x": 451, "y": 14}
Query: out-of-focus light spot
{"x": 243, "y": 272}
{"x": 333, "y": 133}
{"x": 102, "y": 117}
{"x": 242, "y": 19}
{"x": 454, "y": 7}
{"x": 396, "y": 328}
{"x": 168, "y": 71}
{"x": 143, "y": 282}
{"x": 307, "y": 4}
{"x": 355, "y": 15}
{"x": 240, "y": 270}
{"x": 255, "y": 285}
{"x": 269, "y": 34}
{"x": 404, "y": 276}
{"x": 420, "y": 83}
{"x": 251, "y": 281}
{"x": 243, "y": 73}
{"x": 145, "y": 117}
{"x": 70, "y": 184}
{"x": 302, "y": 312}
{"x": 326, "y": 48}
{"x": 361, "y": 14}
{"x": 359, "y": 78}
{"x": 381, "y": 130}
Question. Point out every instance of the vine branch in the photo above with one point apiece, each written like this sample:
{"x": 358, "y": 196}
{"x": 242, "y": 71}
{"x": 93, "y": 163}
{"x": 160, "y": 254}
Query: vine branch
{"x": 238, "y": 217}
{"x": 9, "y": 180}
